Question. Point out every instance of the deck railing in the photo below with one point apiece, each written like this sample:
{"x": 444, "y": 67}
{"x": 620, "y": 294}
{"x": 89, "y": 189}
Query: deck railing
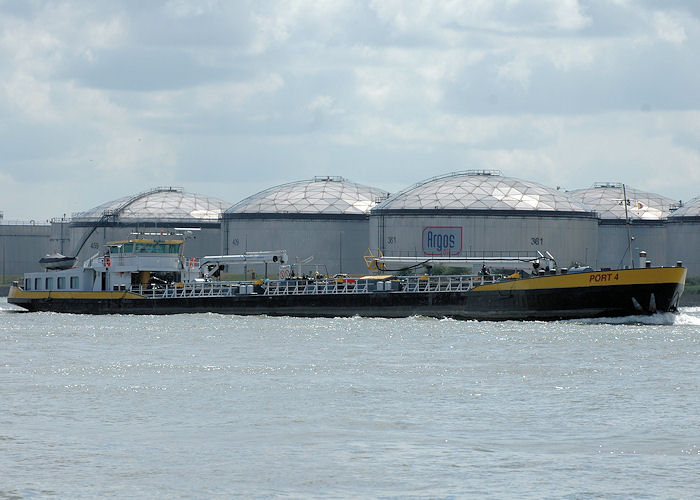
{"x": 405, "y": 284}
{"x": 187, "y": 290}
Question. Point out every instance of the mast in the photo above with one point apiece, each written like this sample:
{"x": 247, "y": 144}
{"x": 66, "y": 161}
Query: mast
{"x": 625, "y": 202}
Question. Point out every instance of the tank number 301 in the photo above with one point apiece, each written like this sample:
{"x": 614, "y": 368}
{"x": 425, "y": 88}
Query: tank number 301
{"x": 537, "y": 240}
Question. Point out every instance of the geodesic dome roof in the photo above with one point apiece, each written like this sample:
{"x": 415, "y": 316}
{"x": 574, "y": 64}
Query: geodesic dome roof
{"x": 159, "y": 203}
{"x": 320, "y": 195}
{"x": 607, "y": 199}
{"x": 481, "y": 190}
{"x": 689, "y": 209}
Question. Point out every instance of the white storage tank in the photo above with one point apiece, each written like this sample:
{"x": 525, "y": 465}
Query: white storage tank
{"x": 624, "y": 210}
{"x": 683, "y": 233}
{"x": 166, "y": 209}
{"x": 323, "y": 221}
{"x": 478, "y": 213}
{"x": 22, "y": 244}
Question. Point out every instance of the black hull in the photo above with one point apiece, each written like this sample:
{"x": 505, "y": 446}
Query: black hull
{"x": 502, "y": 304}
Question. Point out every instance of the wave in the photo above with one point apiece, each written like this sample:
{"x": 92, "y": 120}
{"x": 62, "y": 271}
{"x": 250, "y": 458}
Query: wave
{"x": 5, "y": 307}
{"x": 654, "y": 319}
{"x": 686, "y": 316}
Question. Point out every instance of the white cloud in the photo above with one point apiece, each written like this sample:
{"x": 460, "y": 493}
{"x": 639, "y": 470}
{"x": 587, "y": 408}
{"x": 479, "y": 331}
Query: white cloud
{"x": 30, "y": 97}
{"x": 569, "y": 56}
{"x": 439, "y": 18}
{"x": 569, "y": 15}
{"x": 517, "y": 70}
{"x": 669, "y": 27}
{"x": 384, "y": 92}
{"x": 105, "y": 34}
{"x": 129, "y": 154}
{"x": 233, "y": 95}
{"x": 325, "y": 104}
{"x": 187, "y": 8}
{"x": 638, "y": 149}
{"x": 278, "y": 22}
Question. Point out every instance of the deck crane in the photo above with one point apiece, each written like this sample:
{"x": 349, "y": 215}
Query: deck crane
{"x": 210, "y": 265}
{"x": 534, "y": 261}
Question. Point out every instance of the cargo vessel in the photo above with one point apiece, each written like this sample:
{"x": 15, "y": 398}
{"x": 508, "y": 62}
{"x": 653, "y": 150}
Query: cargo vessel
{"x": 153, "y": 276}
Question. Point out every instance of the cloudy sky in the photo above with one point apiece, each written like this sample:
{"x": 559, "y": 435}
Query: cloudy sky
{"x": 102, "y": 99}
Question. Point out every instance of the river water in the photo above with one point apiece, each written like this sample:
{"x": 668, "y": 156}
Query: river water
{"x": 214, "y": 406}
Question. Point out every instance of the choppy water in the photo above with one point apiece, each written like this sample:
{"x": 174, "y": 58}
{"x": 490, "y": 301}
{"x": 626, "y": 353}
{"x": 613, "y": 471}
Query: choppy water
{"x": 212, "y": 406}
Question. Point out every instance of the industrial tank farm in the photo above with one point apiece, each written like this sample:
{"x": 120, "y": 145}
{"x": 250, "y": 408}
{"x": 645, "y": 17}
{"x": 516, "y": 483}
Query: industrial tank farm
{"x": 330, "y": 222}
{"x": 683, "y": 235}
{"x": 616, "y": 205}
{"x": 160, "y": 209}
{"x": 475, "y": 213}
{"x": 323, "y": 220}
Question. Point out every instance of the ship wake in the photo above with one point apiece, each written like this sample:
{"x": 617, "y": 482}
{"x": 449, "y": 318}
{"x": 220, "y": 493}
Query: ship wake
{"x": 686, "y": 316}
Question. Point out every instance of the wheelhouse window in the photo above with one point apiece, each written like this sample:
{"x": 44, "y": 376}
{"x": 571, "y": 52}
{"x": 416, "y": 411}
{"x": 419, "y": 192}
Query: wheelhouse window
{"x": 48, "y": 285}
{"x": 61, "y": 282}
{"x": 27, "y": 284}
{"x": 121, "y": 248}
{"x": 74, "y": 282}
{"x": 37, "y": 283}
{"x": 157, "y": 247}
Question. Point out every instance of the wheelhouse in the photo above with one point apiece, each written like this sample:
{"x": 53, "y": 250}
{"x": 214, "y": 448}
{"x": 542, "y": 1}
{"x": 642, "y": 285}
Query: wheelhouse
{"x": 123, "y": 265}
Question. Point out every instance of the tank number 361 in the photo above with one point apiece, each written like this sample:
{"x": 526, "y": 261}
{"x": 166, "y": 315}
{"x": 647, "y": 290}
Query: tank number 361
{"x": 537, "y": 240}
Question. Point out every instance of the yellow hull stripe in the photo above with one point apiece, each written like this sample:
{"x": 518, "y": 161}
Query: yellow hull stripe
{"x": 23, "y": 294}
{"x": 594, "y": 279}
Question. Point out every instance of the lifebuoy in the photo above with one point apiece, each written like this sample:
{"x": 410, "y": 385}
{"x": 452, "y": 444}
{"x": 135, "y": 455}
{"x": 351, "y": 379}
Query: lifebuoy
{"x": 108, "y": 261}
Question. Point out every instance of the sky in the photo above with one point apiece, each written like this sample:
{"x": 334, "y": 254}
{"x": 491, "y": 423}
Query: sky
{"x": 104, "y": 99}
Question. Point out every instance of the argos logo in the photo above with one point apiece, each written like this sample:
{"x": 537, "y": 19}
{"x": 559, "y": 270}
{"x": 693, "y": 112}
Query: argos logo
{"x": 442, "y": 240}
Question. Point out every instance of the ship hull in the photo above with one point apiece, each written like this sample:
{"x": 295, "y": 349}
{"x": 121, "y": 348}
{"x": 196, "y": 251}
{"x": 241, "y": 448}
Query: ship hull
{"x": 588, "y": 295}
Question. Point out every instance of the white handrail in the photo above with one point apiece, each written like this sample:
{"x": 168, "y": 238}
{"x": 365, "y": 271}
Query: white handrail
{"x": 405, "y": 284}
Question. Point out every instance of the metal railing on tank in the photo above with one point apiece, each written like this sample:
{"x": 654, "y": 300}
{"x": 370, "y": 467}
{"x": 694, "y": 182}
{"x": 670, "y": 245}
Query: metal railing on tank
{"x": 303, "y": 287}
{"x": 187, "y": 290}
{"x": 447, "y": 283}
{"x": 405, "y": 284}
